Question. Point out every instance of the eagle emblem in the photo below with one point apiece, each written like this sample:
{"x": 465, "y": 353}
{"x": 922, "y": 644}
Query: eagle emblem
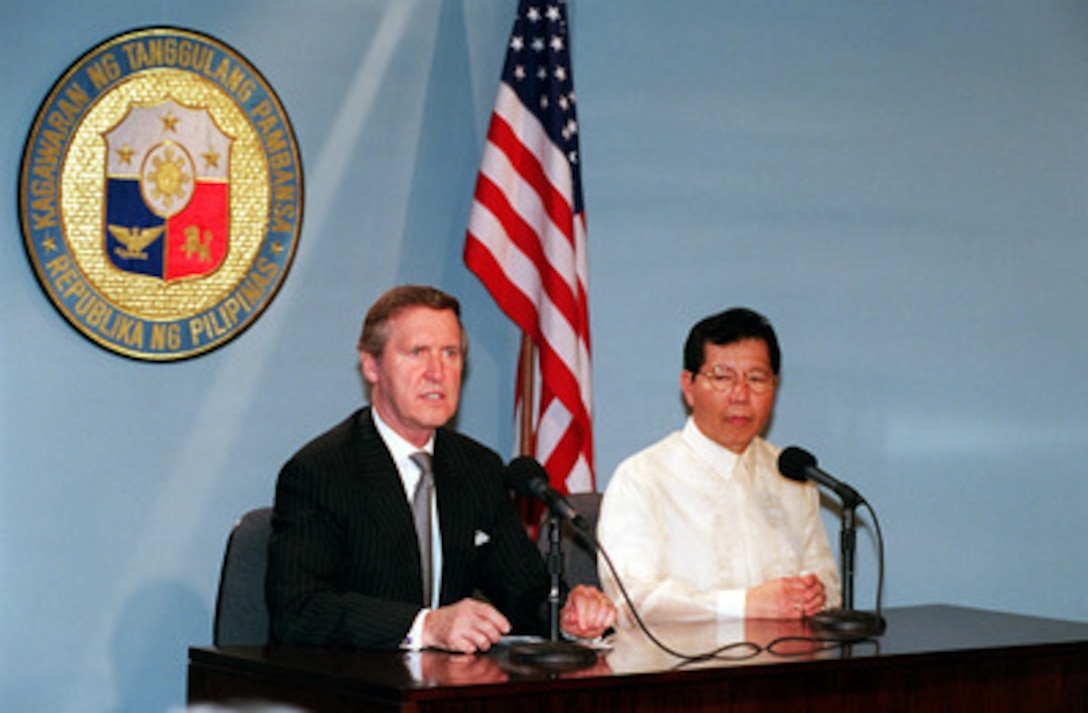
{"x": 133, "y": 240}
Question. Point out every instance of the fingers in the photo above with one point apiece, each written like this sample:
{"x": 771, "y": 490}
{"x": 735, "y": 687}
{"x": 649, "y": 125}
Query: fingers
{"x": 588, "y": 613}
{"x": 470, "y": 626}
{"x": 805, "y": 595}
{"x": 814, "y": 601}
{"x": 787, "y": 598}
{"x": 467, "y": 626}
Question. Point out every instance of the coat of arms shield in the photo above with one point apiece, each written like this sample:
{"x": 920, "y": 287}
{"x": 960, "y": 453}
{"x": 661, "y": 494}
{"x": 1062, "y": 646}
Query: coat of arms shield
{"x": 167, "y": 192}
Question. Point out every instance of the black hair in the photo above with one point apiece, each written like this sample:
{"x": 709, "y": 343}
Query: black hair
{"x": 728, "y": 327}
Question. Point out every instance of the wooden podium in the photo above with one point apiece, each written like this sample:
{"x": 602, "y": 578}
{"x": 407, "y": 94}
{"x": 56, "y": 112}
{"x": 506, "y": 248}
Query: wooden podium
{"x": 931, "y": 658}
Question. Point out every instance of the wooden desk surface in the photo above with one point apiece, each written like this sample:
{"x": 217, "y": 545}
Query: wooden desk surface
{"x": 934, "y": 657}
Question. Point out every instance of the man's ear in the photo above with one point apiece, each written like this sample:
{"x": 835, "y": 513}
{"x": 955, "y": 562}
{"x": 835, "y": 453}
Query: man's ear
{"x": 687, "y": 384}
{"x": 368, "y": 366}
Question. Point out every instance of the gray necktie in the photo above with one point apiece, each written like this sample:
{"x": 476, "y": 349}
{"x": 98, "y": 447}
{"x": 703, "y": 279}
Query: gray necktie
{"x": 421, "y": 511}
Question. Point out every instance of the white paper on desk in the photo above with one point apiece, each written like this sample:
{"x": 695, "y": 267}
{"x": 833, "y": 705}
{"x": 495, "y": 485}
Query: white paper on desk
{"x": 513, "y": 639}
{"x": 595, "y": 644}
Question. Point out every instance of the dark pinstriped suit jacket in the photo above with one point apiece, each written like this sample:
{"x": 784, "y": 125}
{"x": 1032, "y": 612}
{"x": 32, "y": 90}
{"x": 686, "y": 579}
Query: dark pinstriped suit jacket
{"x": 343, "y": 560}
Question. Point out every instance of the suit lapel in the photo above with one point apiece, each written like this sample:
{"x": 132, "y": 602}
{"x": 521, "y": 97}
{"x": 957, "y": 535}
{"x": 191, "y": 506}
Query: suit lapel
{"x": 388, "y": 506}
{"x": 454, "y": 519}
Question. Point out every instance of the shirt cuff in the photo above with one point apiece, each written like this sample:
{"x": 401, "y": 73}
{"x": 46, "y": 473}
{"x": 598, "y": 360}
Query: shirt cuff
{"x": 414, "y": 640}
{"x": 731, "y": 603}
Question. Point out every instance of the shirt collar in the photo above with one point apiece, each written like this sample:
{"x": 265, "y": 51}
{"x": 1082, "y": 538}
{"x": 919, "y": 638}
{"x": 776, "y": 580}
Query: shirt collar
{"x": 717, "y": 456}
{"x": 401, "y": 449}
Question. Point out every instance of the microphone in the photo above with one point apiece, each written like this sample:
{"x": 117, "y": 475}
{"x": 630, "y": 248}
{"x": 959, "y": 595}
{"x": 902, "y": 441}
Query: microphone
{"x": 845, "y": 623}
{"x": 526, "y": 477}
{"x": 800, "y": 465}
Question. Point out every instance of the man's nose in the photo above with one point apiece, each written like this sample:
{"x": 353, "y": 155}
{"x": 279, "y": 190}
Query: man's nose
{"x": 436, "y": 368}
{"x": 740, "y": 391}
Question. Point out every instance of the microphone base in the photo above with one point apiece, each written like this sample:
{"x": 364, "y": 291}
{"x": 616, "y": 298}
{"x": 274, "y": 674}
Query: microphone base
{"x": 847, "y": 624}
{"x": 563, "y": 655}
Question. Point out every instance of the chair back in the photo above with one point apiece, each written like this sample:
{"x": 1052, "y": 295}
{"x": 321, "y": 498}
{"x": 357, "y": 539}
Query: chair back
{"x": 241, "y": 613}
{"x": 579, "y": 557}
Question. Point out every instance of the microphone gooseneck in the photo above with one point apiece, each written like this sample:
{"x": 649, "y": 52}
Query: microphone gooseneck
{"x": 846, "y": 623}
{"x": 527, "y": 477}
{"x": 800, "y": 465}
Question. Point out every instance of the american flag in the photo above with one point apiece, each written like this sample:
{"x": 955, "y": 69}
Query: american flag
{"x": 526, "y": 236}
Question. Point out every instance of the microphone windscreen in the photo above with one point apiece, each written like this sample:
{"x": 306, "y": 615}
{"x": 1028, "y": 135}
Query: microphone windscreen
{"x": 525, "y": 476}
{"x": 794, "y": 461}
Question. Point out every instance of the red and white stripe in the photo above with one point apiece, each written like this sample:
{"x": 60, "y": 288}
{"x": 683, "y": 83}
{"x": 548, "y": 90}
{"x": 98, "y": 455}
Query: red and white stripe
{"x": 528, "y": 247}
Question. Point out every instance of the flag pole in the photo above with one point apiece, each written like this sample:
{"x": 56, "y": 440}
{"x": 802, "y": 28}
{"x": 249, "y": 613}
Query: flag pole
{"x": 525, "y": 389}
{"x": 526, "y": 507}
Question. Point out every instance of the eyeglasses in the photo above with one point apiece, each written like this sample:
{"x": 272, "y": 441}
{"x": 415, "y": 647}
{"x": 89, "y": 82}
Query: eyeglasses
{"x": 758, "y": 382}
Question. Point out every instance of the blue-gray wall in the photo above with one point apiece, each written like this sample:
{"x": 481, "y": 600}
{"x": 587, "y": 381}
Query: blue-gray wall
{"x": 900, "y": 187}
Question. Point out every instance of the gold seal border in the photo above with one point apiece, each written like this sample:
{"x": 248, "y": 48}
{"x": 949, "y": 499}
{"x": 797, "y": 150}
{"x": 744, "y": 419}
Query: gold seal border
{"x": 128, "y": 320}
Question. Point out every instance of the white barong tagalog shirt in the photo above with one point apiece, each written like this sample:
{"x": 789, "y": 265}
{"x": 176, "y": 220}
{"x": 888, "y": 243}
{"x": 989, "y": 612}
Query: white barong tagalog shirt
{"x": 691, "y": 526}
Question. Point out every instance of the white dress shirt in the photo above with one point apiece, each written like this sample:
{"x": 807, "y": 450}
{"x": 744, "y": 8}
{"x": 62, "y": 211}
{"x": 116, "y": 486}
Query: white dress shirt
{"x": 691, "y": 526}
{"x": 402, "y": 451}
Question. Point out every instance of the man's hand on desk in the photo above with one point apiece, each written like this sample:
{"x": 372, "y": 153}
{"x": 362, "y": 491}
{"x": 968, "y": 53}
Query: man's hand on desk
{"x": 467, "y": 626}
{"x": 470, "y": 625}
{"x": 786, "y": 598}
{"x": 588, "y": 613}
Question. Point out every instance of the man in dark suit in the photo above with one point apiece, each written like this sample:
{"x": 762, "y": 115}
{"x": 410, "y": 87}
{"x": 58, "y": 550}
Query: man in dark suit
{"x": 344, "y": 558}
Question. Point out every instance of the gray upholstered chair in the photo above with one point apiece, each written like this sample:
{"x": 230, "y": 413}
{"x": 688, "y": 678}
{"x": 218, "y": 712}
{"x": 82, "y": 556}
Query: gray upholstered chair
{"x": 241, "y": 614}
{"x": 579, "y": 558}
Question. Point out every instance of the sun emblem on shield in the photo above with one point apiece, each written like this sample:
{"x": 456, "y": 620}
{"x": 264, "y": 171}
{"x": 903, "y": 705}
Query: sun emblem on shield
{"x": 167, "y": 192}
{"x": 169, "y": 180}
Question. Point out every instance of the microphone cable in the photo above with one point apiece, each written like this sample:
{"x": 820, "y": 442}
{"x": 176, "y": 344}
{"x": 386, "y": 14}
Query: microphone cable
{"x": 521, "y": 476}
{"x": 838, "y": 641}
{"x": 749, "y": 649}
{"x": 753, "y": 649}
